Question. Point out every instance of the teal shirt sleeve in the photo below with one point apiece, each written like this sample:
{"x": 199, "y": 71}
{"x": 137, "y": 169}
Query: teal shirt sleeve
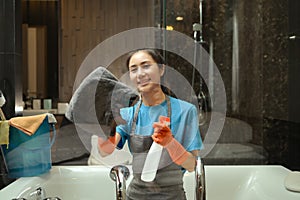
{"x": 185, "y": 125}
{"x": 124, "y": 129}
{"x": 193, "y": 141}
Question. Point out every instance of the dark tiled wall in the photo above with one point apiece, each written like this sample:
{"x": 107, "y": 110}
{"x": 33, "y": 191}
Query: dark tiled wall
{"x": 294, "y": 85}
{"x": 10, "y": 55}
{"x": 10, "y": 63}
{"x": 294, "y": 60}
{"x": 281, "y": 85}
{"x": 275, "y": 80}
{"x": 269, "y": 72}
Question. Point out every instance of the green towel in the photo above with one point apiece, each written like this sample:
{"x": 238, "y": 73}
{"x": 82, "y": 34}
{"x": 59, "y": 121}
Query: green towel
{"x": 4, "y": 132}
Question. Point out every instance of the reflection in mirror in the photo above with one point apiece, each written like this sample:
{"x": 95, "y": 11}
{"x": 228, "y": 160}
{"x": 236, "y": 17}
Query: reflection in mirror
{"x": 40, "y": 21}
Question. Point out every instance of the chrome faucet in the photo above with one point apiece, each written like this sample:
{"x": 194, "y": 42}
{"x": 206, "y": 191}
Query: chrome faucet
{"x": 38, "y": 194}
{"x": 200, "y": 180}
{"x": 120, "y": 174}
{"x": 48, "y": 198}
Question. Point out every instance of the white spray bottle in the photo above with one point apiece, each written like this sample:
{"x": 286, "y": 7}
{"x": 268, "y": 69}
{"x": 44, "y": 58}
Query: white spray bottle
{"x": 153, "y": 157}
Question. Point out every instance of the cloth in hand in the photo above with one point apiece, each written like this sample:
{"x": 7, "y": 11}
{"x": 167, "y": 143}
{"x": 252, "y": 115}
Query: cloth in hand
{"x": 97, "y": 101}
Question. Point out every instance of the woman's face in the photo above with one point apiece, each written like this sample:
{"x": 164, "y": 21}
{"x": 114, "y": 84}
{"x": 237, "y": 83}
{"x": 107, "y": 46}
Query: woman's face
{"x": 144, "y": 72}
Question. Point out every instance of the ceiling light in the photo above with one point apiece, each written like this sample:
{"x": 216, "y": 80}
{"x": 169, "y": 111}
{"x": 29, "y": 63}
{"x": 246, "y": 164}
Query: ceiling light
{"x": 179, "y": 18}
{"x": 170, "y": 28}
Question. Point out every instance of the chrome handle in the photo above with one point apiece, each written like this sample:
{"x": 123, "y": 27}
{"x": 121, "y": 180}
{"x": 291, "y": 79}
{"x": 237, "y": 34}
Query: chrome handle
{"x": 120, "y": 174}
{"x": 38, "y": 194}
{"x": 20, "y": 199}
{"x": 200, "y": 180}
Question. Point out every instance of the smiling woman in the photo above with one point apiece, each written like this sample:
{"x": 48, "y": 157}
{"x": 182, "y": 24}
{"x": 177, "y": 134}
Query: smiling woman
{"x": 146, "y": 72}
{"x": 142, "y": 126}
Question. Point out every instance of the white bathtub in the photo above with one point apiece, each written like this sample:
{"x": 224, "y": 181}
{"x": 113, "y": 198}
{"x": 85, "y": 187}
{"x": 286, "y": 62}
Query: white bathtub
{"x": 94, "y": 183}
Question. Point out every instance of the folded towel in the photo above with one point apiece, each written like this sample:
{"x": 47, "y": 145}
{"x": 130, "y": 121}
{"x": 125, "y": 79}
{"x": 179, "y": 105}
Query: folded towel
{"x": 28, "y": 124}
{"x": 4, "y": 132}
{"x": 2, "y": 116}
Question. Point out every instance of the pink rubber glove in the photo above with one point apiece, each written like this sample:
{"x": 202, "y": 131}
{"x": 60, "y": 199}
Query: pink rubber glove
{"x": 163, "y": 136}
{"x": 107, "y": 146}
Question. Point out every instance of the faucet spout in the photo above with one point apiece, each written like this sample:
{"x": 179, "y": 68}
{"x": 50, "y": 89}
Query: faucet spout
{"x": 120, "y": 174}
{"x": 200, "y": 180}
{"x": 38, "y": 194}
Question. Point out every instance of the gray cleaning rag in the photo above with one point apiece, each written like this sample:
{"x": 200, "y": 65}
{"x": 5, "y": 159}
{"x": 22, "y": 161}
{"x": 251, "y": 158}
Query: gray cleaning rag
{"x": 97, "y": 101}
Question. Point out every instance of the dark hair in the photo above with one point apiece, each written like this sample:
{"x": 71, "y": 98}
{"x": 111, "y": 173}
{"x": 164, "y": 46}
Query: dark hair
{"x": 155, "y": 54}
{"x": 159, "y": 59}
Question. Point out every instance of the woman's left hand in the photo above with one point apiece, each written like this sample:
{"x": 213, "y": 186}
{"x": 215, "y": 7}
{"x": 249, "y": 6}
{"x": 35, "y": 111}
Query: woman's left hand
{"x": 162, "y": 133}
{"x": 163, "y": 136}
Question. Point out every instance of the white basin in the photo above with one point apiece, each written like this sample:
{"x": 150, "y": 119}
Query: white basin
{"x": 261, "y": 182}
{"x": 93, "y": 182}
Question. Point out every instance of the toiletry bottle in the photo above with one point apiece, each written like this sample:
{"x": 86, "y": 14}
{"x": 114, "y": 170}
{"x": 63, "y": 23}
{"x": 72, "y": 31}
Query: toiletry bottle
{"x": 153, "y": 157}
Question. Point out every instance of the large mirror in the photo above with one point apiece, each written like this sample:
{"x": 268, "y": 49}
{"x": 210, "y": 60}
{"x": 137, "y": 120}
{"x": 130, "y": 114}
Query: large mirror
{"x": 247, "y": 40}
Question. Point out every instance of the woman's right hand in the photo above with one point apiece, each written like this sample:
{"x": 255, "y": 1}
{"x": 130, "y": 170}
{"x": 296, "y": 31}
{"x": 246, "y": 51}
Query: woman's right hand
{"x": 107, "y": 145}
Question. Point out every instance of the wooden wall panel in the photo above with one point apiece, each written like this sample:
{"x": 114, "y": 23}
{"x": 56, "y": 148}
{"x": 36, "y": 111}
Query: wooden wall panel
{"x": 86, "y": 23}
{"x": 32, "y": 61}
{"x": 37, "y": 61}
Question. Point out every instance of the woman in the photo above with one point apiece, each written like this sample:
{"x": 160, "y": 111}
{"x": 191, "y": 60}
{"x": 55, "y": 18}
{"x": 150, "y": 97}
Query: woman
{"x": 181, "y": 140}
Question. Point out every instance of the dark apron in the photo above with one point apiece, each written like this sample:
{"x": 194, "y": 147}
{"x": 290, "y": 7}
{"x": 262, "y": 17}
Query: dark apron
{"x": 168, "y": 184}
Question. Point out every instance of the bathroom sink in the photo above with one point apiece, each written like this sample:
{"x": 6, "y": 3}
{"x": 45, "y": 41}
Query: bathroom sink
{"x": 259, "y": 182}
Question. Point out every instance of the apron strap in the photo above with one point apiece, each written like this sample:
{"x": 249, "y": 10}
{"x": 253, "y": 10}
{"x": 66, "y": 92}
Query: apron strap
{"x": 133, "y": 126}
{"x": 169, "y": 108}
